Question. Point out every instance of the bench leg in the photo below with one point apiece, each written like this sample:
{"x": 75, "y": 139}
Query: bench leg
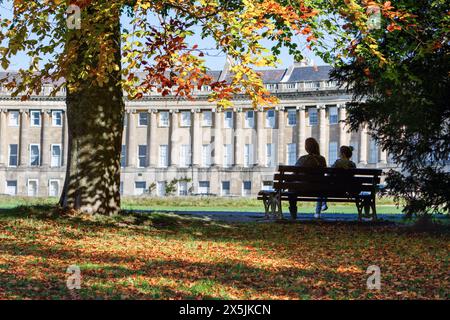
{"x": 359, "y": 207}
{"x": 279, "y": 205}
{"x": 266, "y": 201}
{"x": 374, "y": 210}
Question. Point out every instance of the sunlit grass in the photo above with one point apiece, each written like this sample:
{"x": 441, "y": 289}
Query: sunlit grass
{"x": 164, "y": 256}
{"x": 384, "y": 205}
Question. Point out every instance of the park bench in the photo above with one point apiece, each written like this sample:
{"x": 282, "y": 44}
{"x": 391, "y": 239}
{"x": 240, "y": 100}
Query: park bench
{"x": 337, "y": 185}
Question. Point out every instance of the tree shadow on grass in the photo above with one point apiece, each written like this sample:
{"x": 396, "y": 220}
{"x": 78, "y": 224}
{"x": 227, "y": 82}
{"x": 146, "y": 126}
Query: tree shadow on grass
{"x": 108, "y": 278}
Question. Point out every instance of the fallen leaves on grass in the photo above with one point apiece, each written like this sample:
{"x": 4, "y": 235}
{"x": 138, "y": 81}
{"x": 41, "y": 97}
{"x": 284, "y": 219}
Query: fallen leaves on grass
{"x": 167, "y": 257}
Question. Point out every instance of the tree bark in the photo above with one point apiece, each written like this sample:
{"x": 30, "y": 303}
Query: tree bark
{"x": 95, "y": 123}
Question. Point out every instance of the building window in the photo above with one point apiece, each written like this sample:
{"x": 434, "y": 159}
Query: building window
{"x": 13, "y": 155}
{"x": 125, "y": 120}
{"x": 32, "y": 187}
{"x": 13, "y": 118}
{"x": 203, "y": 187}
{"x": 227, "y": 155}
{"x": 207, "y": 119}
{"x": 142, "y": 156}
{"x": 206, "y": 155}
{"x": 34, "y": 155}
{"x": 333, "y": 115}
{"x": 185, "y": 155}
{"x": 332, "y": 152}
{"x": 270, "y": 155}
{"x": 313, "y": 117}
{"x": 11, "y": 187}
{"x": 56, "y": 155}
{"x": 355, "y": 155}
{"x": 248, "y": 155}
{"x": 250, "y": 119}
{"x": 121, "y": 188}
{"x": 185, "y": 119}
{"x": 123, "y": 156}
{"x": 182, "y": 188}
{"x": 139, "y": 188}
{"x": 270, "y": 119}
{"x": 267, "y": 185}
{"x": 53, "y": 188}
{"x": 292, "y": 153}
{"x": 225, "y": 191}
{"x": 161, "y": 188}
{"x": 57, "y": 118}
{"x": 373, "y": 151}
{"x": 143, "y": 119}
{"x": 246, "y": 188}
{"x": 164, "y": 119}
{"x": 163, "y": 155}
{"x": 292, "y": 117}
{"x": 35, "y": 118}
{"x": 228, "y": 119}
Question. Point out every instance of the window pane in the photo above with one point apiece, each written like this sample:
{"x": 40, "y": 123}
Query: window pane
{"x": 57, "y": 118}
{"x": 123, "y": 156}
{"x": 292, "y": 153}
{"x": 56, "y": 156}
{"x": 164, "y": 119}
{"x": 34, "y": 155}
{"x": 13, "y": 158}
{"x": 163, "y": 156}
{"x": 14, "y": 118}
{"x": 332, "y": 152}
{"x": 333, "y": 115}
{"x": 207, "y": 118}
{"x": 186, "y": 118}
{"x": 142, "y": 154}
{"x": 270, "y": 119}
{"x": 292, "y": 117}
{"x": 225, "y": 188}
{"x": 143, "y": 118}
{"x": 313, "y": 119}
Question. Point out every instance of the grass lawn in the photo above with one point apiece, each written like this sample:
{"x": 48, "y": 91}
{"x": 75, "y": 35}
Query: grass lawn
{"x": 164, "y": 256}
{"x": 384, "y": 205}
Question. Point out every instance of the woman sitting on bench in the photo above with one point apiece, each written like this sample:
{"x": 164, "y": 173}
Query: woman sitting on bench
{"x": 312, "y": 160}
{"x": 344, "y": 161}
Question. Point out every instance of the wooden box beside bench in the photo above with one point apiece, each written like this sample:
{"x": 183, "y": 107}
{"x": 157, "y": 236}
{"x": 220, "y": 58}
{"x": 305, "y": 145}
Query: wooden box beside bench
{"x": 336, "y": 185}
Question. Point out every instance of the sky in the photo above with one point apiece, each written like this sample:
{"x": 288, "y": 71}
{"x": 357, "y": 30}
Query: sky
{"x": 214, "y": 59}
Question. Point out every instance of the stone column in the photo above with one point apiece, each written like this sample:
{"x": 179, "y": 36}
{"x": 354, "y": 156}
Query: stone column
{"x": 301, "y": 131}
{"x": 218, "y": 138}
{"x": 323, "y": 130}
{"x": 196, "y": 138}
{"x": 363, "y": 144}
{"x": 45, "y": 139}
{"x": 343, "y": 134}
{"x": 280, "y": 143}
{"x": 152, "y": 140}
{"x": 174, "y": 138}
{"x": 3, "y": 145}
{"x": 260, "y": 152}
{"x": 238, "y": 140}
{"x": 24, "y": 125}
{"x": 131, "y": 139}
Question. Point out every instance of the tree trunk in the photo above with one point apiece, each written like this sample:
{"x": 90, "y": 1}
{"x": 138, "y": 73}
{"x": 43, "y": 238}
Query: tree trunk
{"x": 95, "y": 123}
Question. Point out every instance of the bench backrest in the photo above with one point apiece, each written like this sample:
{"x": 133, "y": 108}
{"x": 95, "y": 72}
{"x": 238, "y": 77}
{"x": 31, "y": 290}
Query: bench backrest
{"x": 326, "y": 182}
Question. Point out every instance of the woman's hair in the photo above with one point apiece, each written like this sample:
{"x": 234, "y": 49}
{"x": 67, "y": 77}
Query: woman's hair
{"x": 346, "y": 151}
{"x": 312, "y": 147}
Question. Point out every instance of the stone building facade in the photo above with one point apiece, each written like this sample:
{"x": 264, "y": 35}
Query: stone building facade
{"x": 231, "y": 152}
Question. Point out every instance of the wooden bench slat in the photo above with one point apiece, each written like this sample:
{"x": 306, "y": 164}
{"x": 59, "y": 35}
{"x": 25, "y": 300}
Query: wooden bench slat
{"x": 294, "y": 169}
